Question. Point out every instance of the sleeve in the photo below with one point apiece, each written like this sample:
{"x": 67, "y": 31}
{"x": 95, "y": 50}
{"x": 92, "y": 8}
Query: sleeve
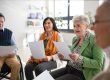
{"x": 97, "y": 61}
{"x": 13, "y": 40}
{"x": 13, "y": 43}
{"x": 80, "y": 60}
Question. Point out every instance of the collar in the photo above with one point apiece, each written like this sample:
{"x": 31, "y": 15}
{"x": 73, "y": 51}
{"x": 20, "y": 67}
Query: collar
{"x": 87, "y": 35}
{"x": 2, "y": 29}
{"x": 48, "y": 34}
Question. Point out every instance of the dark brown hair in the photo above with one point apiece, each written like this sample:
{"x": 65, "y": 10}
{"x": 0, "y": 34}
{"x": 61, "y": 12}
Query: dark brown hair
{"x": 1, "y": 15}
{"x": 53, "y": 22}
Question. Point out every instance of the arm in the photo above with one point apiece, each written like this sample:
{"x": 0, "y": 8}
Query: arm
{"x": 13, "y": 40}
{"x": 104, "y": 75}
{"x": 97, "y": 60}
{"x": 13, "y": 44}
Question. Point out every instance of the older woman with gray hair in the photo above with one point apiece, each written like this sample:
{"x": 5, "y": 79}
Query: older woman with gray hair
{"x": 87, "y": 59}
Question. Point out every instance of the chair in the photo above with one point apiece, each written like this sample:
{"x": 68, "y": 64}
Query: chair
{"x": 5, "y": 70}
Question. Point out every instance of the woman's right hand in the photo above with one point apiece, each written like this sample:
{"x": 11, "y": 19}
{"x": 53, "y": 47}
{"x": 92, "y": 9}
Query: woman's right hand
{"x": 60, "y": 56}
{"x": 31, "y": 59}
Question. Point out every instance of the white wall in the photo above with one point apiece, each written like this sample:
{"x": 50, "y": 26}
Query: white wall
{"x": 15, "y": 12}
{"x": 68, "y": 37}
{"x": 91, "y": 5}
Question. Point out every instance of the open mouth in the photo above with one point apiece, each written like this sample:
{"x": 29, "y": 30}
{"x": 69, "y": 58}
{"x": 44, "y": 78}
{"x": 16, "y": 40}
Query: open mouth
{"x": 77, "y": 31}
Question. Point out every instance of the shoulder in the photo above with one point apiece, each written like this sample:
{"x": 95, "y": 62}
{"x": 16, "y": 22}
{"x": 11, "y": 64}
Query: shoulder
{"x": 43, "y": 33}
{"x": 55, "y": 32}
{"x": 74, "y": 38}
{"x": 92, "y": 35}
{"x": 92, "y": 38}
{"x": 6, "y": 29}
{"x": 94, "y": 44}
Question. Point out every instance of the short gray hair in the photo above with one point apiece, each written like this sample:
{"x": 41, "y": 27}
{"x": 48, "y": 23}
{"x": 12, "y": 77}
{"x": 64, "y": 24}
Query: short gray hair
{"x": 81, "y": 18}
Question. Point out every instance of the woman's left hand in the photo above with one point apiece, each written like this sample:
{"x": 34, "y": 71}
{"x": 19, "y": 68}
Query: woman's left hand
{"x": 48, "y": 58}
{"x": 74, "y": 56}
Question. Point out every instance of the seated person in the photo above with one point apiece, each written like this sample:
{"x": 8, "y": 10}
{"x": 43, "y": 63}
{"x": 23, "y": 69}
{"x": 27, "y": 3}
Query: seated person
{"x": 87, "y": 57}
{"x": 6, "y": 39}
{"x": 49, "y": 35}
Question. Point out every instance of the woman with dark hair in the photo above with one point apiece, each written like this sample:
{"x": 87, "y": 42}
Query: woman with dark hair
{"x": 53, "y": 21}
{"x": 49, "y": 35}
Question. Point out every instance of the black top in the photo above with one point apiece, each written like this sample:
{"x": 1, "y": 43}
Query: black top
{"x": 5, "y": 37}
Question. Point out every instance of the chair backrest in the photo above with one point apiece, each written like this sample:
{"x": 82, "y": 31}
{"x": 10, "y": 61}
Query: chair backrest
{"x": 5, "y": 70}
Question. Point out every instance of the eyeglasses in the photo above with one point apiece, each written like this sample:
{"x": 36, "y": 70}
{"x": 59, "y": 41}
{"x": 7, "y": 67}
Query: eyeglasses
{"x": 101, "y": 21}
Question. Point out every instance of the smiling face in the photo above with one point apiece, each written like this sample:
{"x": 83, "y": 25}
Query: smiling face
{"x": 80, "y": 28}
{"x": 48, "y": 25}
{"x": 102, "y": 26}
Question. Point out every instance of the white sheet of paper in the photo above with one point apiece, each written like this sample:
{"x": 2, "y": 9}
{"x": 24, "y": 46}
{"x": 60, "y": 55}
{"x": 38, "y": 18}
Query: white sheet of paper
{"x": 5, "y": 50}
{"x": 37, "y": 49}
{"x": 44, "y": 76}
{"x": 63, "y": 49}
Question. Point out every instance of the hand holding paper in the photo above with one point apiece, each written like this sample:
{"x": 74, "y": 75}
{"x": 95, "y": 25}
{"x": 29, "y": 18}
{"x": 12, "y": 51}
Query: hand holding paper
{"x": 60, "y": 56}
{"x": 74, "y": 57}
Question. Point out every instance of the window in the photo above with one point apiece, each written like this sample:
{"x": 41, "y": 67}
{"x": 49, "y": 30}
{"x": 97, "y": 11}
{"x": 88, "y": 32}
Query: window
{"x": 61, "y": 13}
{"x": 64, "y": 11}
{"x": 100, "y": 2}
{"x": 76, "y": 8}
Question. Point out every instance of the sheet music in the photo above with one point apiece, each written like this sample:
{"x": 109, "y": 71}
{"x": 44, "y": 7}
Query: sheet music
{"x": 63, "y": 49}
{"x": 5, "y": 50}
{"x": 37, "y": 49}
{"x": 44, "y": 76}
